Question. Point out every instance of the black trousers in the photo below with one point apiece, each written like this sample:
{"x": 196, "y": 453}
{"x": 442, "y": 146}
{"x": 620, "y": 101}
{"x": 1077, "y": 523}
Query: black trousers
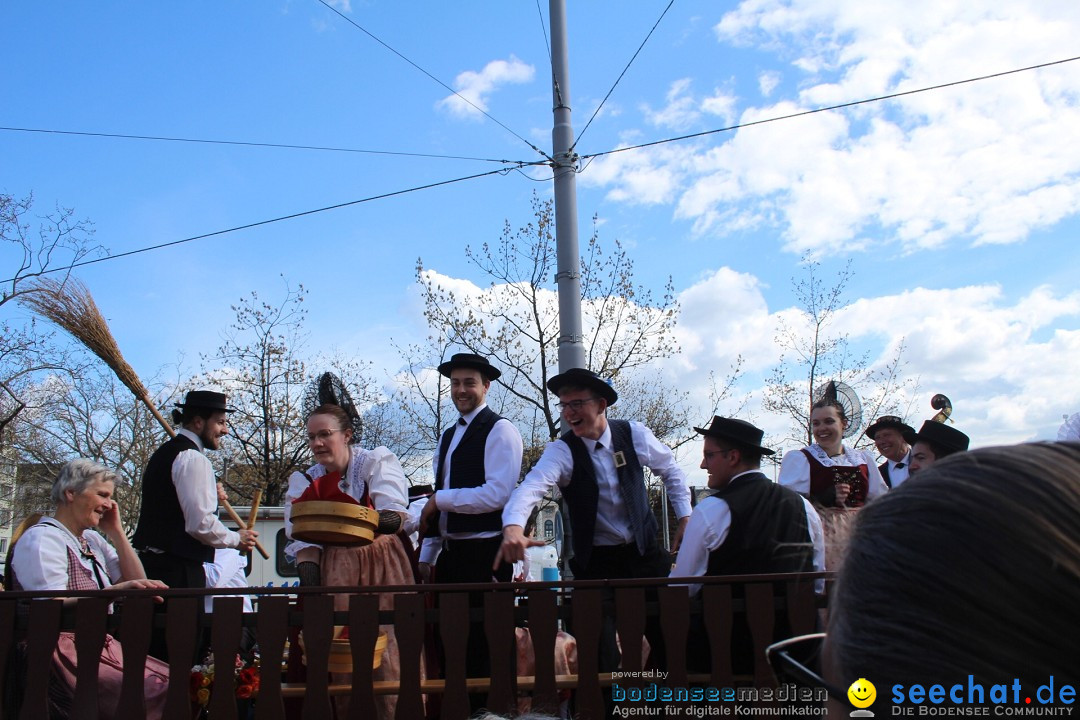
{"x": 176, "y": 572}
{"x": 624, "y": 562}
{"x": 470, "y": 561}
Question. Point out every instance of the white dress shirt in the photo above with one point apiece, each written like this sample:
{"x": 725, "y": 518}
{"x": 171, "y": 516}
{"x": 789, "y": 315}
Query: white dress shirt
{"x": 502, "y": 467}
{"x": 556, "y": 467}
{"x": 226, "y": 571}
{"x": 196, "y": 489}
{"x": 898, "y": 475}
{"x": 708, "y": 529}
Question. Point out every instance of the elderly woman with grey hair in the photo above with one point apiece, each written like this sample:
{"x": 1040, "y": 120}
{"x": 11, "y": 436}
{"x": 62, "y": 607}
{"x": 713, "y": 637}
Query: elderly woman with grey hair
{"x": 63, "y": 552}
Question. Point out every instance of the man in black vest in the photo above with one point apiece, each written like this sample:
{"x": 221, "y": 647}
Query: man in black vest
{"x": 477, "y": 464}
{"x": 888, "y": 433}
{"x": 749, "y": 525}
{"x": 178, "y": 527}
{"x": 597, "y": 465}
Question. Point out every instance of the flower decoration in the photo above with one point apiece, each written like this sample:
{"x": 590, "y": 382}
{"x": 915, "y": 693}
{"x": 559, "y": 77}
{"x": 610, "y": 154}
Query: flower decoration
{"x": 246, "y": 673}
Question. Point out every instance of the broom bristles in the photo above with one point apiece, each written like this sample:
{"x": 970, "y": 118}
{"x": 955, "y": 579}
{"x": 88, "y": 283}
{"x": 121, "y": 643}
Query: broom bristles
{"x": 70, "y": 305}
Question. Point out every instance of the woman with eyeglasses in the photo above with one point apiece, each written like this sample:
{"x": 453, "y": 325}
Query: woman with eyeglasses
{"x": 985, "y": 584}
{"x": 373, "y": 478}
{"x": 69, "y": 551}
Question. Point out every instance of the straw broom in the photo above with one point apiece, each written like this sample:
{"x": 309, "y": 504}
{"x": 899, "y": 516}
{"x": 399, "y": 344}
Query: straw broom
{"x": 69, "y": 305}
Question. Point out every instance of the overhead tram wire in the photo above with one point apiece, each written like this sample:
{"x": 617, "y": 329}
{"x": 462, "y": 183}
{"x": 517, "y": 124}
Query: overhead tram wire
{"x": 840, "y": 106}
{"x": 486, "y": 114}
{"x": 543, "y": 29}
{"x": 619, "y": 79}
{"x": 254, "y": 144}
{"x": 293, "y": 216}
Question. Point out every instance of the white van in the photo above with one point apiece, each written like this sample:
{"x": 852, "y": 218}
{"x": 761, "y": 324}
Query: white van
{"x": 278, "y": 571}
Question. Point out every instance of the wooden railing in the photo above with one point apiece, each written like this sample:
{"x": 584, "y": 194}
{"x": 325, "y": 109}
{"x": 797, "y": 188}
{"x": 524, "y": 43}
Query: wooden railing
{"x": 581, "y": 605}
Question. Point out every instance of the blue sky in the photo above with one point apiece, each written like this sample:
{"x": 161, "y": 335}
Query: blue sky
{"x": 958, "y": 208}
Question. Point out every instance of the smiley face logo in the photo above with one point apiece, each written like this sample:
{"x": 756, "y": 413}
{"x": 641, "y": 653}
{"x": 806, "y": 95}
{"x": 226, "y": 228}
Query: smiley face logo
{"x": 862, "y": 693}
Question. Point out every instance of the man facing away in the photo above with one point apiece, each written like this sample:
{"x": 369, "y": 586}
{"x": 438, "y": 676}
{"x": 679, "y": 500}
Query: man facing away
{"x": 178, "y": 528}
{"x": 749, "y": 525}
{"x": 888, "y": 433}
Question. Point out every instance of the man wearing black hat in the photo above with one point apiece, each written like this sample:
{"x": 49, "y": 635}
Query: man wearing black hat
{"x": 934, "y": 441}
{"x": 178, "y": 527}
{"x": 598, "y": 466}
{"x": 888, "y": 433}
{"x": 750, "y": 524}
{"x": 477, "y": 463}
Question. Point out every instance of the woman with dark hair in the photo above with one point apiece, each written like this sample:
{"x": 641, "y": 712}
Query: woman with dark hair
{"x": 836, "y": 478}
{"x": 982, "y": 590}
{"x": 63, "y": 552}
{"x": 828, "y": 472}
{"x": 372, "y": 478}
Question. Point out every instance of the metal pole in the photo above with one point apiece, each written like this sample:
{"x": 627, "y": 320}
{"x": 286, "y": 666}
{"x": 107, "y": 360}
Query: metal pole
{"x": 568, "y": 276}
{"x": 568, "y": 260}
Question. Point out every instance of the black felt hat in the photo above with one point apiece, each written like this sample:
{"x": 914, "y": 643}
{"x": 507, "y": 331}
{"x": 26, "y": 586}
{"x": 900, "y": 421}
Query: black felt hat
{"x": 738, "y": 432}
{"x": 889, "y": 421}
{"x": 472, "y": 362}
{"x": 206, "y": 399}
{"x": 586, "y": 379}
{"x": 940, "y": 434}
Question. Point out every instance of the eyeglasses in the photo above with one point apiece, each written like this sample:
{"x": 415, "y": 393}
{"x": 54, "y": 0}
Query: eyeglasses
{"x": 798, "y": 660}
{"x": 574, "y": 405}
{"x": 322, "y": 436}
{"x": 709, "y": 453}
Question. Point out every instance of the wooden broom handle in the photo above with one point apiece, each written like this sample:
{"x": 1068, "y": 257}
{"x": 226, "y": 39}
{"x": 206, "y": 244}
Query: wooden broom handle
{"x": 254, "y": 514}
{"x": 236, "y": 519}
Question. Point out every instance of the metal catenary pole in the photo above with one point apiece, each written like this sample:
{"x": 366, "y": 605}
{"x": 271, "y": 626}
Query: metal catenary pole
{"x": 568, "y": 276}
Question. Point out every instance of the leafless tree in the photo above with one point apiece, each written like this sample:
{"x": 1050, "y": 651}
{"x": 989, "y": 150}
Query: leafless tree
{"x": 46, "y": 244}
{"x": 515, "y": 320}
{"x": 260, "y": 364}
{"x": 814, "y": 351}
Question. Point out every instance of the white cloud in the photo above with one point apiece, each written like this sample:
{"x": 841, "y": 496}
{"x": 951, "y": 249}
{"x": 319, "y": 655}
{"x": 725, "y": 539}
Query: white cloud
{"x": 477, "y": 87}
{"x": 767, "y": 82}
{"x": 647, "y": 177}
{"x": 988, "y": 162}
{"x": 1008, "y": 365}
{"x": 681, "y": 111}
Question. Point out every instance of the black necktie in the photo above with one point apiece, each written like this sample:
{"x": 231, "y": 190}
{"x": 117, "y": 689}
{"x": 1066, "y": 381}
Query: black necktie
{"x": 899, "y": 465}
{"x": 461, "y": 421}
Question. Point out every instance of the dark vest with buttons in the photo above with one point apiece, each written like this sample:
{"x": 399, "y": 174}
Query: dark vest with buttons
{"x": 582, "y": 492}
{"x": 768, "y": 531}
{"x": 161, "y": 522}
{"x": 467, "y": 471}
